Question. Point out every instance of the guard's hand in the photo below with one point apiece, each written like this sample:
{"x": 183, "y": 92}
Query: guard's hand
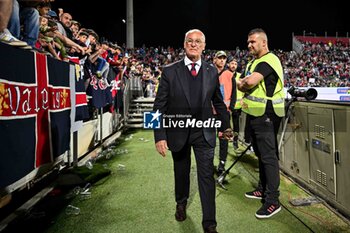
{"x": 162, "y": 147}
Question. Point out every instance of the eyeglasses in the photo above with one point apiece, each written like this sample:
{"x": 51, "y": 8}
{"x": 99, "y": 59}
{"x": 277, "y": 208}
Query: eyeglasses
{"x": 195, "y": 42}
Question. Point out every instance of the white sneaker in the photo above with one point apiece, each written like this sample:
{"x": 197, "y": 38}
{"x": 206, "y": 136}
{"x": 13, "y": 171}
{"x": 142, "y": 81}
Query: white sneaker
{"x": 26, "y": 47}
{"x": 250, "y": 151}
{"x": 7, "y": 38}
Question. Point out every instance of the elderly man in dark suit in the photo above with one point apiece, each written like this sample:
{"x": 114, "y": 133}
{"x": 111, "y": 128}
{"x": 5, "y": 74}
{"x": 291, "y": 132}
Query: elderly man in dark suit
{"x": 187, "y": 93}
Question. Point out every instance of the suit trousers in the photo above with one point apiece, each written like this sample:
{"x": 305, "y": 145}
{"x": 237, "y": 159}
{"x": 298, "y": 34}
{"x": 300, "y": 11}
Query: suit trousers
{"x": 204, "y": 155}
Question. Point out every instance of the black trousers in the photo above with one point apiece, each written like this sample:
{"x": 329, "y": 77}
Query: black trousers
{"x": 204, "y": 155}
{"x": 223, "y": 149}
{"x": 264, "y": 131}
{"x": 236, "y": 113}
{"x": 247, "y": 131}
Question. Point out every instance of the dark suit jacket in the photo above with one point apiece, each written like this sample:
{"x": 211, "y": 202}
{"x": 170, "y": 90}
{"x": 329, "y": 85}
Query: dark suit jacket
{"x": 173, "y": 97}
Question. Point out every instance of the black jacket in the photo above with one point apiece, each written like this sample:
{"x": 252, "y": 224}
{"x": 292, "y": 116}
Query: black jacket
{"x": 173, "y": 97}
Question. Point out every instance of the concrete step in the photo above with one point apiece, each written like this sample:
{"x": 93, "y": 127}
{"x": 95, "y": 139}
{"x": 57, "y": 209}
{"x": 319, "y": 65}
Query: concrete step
{"x": 135, "y": 120}
{"x": 134, "y": 125}
{"x": 144, "y": 100}
{"x": 135, "y": 115}
{"x": 142, "y": 105}
{"x": 140, "y": 110}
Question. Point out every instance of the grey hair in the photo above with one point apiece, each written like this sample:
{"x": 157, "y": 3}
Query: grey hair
{"x": 195, "y": 30}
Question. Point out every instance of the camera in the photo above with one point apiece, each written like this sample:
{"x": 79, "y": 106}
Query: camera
{"x": 308, "y": 94}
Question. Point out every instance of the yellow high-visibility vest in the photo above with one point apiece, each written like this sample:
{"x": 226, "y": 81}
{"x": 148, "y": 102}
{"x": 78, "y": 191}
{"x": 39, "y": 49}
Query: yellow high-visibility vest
{"x": 254, "y": 101}
{"x": 239, "y": 95}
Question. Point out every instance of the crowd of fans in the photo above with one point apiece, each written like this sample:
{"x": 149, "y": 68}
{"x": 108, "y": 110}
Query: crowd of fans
{"x": 319, "y": 65}
{"x": 108, "y": 65}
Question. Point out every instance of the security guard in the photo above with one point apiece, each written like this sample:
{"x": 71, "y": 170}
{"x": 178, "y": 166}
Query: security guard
{"x": 263, "y": 101}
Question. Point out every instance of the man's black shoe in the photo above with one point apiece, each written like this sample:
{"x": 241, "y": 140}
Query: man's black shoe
{"x": 180, "y": 214}
{"x": 210, "y": 229}
{"x": 255, "y": 194}
{"x": 268, "y": 210}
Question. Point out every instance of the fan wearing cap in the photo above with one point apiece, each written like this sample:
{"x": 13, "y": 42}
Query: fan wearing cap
{"x": 52, "y": 14}
{"x": 225, "y": 79}
{"x": 75, "y": 27}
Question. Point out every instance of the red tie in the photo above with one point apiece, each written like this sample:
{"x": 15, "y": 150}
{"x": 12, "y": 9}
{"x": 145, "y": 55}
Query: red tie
{"x": 193, "y": 69}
